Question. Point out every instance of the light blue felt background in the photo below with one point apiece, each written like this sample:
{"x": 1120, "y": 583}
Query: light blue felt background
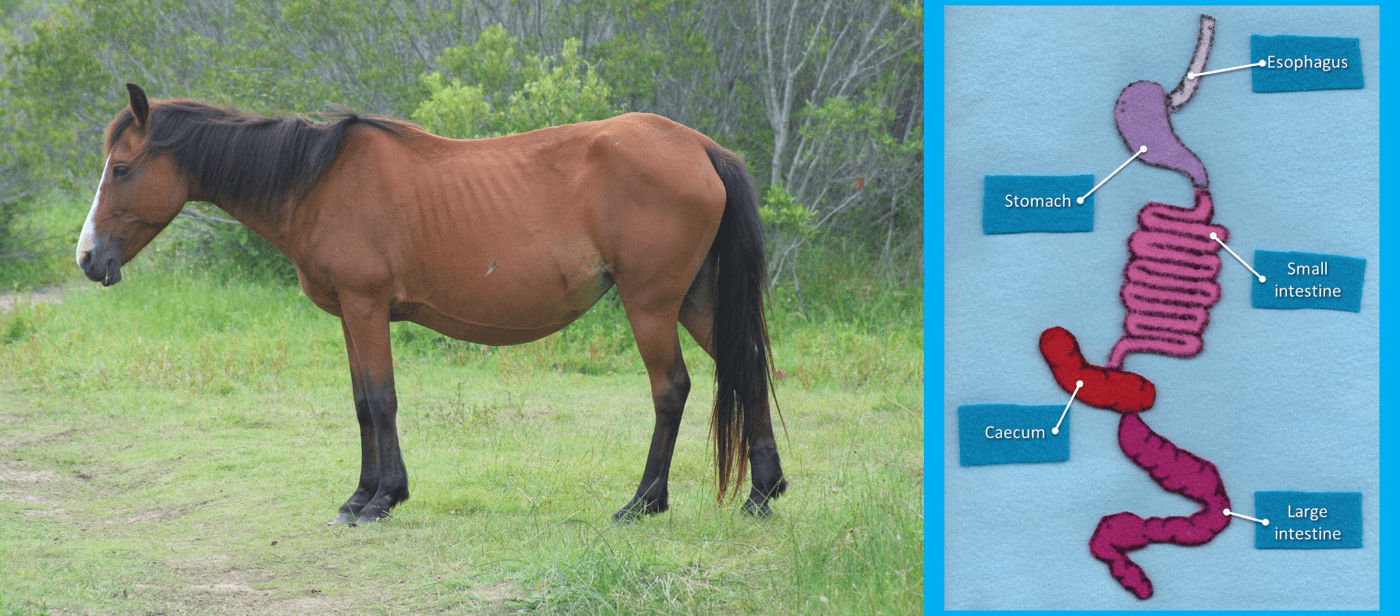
{"x": 1279, "y": 400}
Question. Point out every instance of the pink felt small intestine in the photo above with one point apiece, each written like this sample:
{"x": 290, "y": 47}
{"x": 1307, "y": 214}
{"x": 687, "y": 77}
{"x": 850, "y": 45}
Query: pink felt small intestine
{"x": 1169, "y": 284}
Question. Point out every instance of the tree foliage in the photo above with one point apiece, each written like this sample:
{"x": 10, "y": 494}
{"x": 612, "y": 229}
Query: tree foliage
{"x": 822, "y": 98}
{"x": 507, "y": 92}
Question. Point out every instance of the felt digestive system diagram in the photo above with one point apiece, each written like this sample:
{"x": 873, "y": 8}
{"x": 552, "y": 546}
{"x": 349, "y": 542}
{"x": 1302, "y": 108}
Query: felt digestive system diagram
{"x": 1173, "y": 348}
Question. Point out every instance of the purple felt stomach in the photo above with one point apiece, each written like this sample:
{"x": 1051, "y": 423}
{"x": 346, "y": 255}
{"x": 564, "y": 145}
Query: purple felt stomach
{"x": 1141, "y": 115}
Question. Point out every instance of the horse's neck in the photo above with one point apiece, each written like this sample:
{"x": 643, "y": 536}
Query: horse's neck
{"x": 271, "y": 226}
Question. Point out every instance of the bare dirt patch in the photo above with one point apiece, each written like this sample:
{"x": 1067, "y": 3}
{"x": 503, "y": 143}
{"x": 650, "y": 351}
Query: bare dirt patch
{"x": 50, "y": 295}
{"x": 218, "y": 585}
{"x": 14, "y": 475}
{"x": 40, "y": 490}
{"x": 505, "y": 597}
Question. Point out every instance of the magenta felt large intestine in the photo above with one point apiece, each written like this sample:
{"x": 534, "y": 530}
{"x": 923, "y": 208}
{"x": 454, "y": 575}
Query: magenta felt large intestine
{"x": 1176, "y": 470}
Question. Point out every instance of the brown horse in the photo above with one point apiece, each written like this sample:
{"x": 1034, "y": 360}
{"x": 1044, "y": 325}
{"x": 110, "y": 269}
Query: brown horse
{"x": 495, "y": 241}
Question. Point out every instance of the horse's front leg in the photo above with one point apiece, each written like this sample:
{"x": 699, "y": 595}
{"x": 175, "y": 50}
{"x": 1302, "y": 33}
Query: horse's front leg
{"x": 369, "y": 448}
{"x": 383, "y": 479}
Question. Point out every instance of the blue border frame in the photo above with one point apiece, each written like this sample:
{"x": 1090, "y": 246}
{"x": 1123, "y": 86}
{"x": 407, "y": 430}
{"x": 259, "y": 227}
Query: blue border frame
{"x": 1387, "y": 336}
{"x": 934, "y": 280}
{"x": 933, "y": 309}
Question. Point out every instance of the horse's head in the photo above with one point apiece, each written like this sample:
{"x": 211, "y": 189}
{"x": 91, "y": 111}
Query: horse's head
{"x": 140, "y": 193}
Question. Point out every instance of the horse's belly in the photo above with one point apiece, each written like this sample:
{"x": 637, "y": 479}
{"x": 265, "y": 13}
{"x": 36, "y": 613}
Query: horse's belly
{"x": 507, "y": 313}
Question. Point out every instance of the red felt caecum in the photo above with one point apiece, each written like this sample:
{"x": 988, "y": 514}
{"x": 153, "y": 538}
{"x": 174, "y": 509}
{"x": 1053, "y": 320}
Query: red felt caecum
{"x": 1104, "y": 388}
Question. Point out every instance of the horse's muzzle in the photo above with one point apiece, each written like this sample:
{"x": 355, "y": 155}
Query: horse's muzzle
{"x": 103, "y": 265}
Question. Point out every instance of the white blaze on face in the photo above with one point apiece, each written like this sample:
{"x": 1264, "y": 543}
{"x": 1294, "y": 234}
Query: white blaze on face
{"x": 87, "y": 241}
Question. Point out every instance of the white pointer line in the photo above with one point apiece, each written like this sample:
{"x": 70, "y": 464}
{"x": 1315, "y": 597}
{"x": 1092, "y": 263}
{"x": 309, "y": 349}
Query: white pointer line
{"x": 1237, "y": 257}
{"x": 1140, "y": 151}
{"x": 1193, "y": 76}
{"x": 1056, "y": 430}
{"x": 1264, "y": 521}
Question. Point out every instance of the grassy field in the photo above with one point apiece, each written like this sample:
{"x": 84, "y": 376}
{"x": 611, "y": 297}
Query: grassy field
{"x": 175, "y": 444}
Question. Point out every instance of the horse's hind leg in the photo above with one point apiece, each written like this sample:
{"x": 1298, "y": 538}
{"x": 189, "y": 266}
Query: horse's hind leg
{"x": 698, "y": 316}
{"x": 660, "y": 347}
{"x": 768, "y": 480}
{"x": 369, "y": 451}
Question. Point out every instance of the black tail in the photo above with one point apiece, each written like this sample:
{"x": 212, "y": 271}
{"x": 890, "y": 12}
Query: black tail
{"x": 740, "y": 330}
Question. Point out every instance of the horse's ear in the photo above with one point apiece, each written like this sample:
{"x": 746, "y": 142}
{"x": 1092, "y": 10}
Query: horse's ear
{"x": 140, "y": 109}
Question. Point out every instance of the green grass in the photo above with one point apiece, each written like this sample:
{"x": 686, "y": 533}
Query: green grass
{"x": 176, "y": 443}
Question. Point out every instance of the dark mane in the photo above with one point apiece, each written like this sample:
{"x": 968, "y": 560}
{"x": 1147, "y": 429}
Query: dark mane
{"x": 241, "y": 160}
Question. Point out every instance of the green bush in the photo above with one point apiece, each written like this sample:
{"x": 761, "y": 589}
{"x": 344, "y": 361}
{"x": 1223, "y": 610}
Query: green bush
{"x": 495, "y": 89}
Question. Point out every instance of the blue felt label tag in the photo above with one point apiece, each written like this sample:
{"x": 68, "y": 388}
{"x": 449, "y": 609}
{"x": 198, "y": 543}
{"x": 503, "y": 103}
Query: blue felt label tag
{"x": 1307, "y": 520}
{"x": 1299, "y": 63}
{"x": 1011, "y": 434}
{"x": 1037, "y": 203}
{"x": 1295, "y": 280}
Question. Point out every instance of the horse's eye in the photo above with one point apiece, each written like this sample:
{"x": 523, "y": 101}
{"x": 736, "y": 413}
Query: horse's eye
{"x": 120, "y": 170}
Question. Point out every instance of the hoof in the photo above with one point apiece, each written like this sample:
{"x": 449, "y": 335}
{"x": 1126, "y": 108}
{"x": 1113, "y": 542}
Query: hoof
{"x": 345, "y": 517}
{"x": 378, "y": 507}
{"x": 368, "y": 517}
{"x": 638, "y": 508}
{"x": 757, "y": 510}
{"x": 757, "y": 503}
